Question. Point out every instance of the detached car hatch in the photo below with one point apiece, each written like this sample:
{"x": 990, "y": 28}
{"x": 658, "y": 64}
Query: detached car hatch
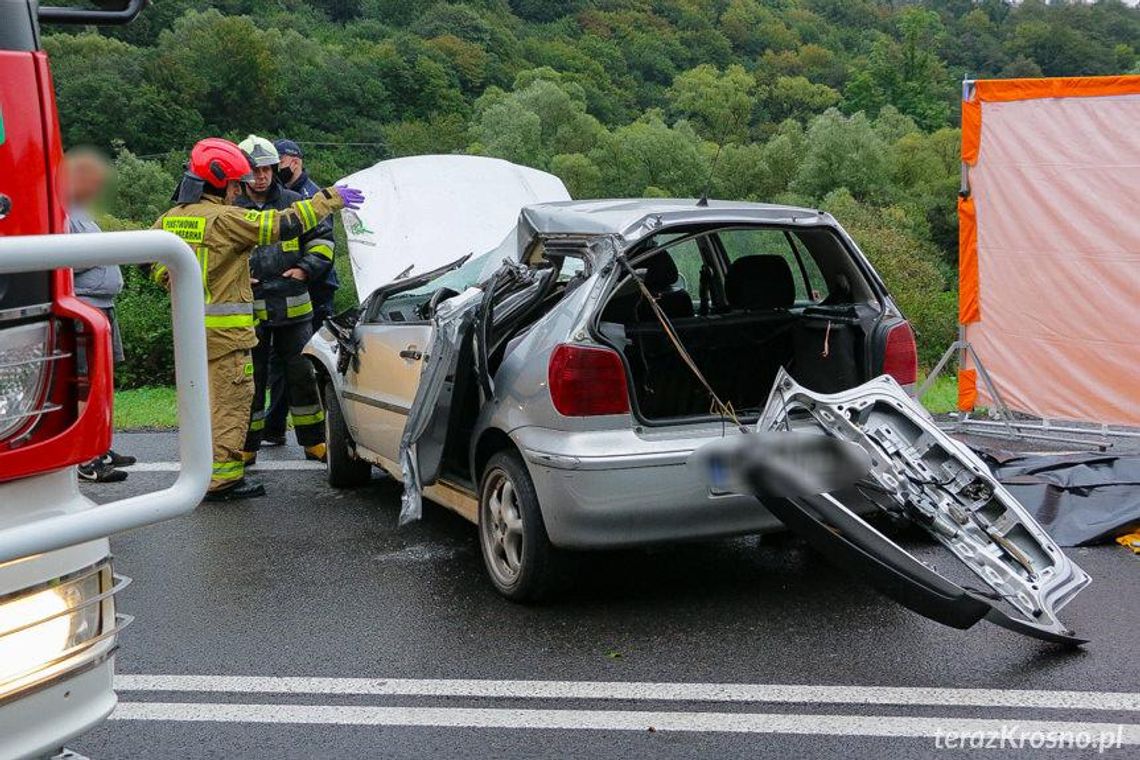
{"x": 913, "y": 471}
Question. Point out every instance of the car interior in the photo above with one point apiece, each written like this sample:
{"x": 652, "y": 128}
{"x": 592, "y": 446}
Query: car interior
{"x": 743, "y": 302}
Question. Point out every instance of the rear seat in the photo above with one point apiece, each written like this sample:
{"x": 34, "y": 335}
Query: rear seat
{"x": 739, "y": 352}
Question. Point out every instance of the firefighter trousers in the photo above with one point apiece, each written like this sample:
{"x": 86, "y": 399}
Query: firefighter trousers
{"x": 278, "y": 411}
{"x": 231, "y": 393}
{"x": 284, "y": 343}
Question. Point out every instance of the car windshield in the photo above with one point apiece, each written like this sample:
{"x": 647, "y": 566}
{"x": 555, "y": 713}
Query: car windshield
{"x": 471, "y": 273}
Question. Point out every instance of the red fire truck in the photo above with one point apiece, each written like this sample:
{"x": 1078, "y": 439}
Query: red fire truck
{"x": 58, "y": 618}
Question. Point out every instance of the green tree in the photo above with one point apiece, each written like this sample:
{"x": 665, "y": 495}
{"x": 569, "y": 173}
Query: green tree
{"x": 141, "y": 189}
{"x": 222, "y": 65}
{"x": 842, "y": 151}
{"x": 581, "y": 176}
{"x": 796, "y": 98}
{"x": 507, "y": 129}
{"x": 906, "y": 73}
{"x": 717, "y": 104}
{"x": 753, "y": 28}
{"x": 650, "y": 154}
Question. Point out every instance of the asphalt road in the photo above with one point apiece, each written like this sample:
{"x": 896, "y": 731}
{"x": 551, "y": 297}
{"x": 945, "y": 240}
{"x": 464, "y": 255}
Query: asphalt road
{"x": 358, "y": 639}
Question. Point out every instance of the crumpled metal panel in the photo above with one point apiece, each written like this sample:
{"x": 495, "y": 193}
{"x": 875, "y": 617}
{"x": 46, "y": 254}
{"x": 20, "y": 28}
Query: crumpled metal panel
{"x": 921, "y": 474}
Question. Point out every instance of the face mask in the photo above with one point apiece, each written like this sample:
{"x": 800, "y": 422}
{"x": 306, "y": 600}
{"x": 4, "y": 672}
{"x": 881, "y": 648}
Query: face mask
{"x": 286, "y": 174}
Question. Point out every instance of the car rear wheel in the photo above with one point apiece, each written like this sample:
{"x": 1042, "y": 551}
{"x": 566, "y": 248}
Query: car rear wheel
{"x": 516, "y": 550}
{"x": 343, "y": 468}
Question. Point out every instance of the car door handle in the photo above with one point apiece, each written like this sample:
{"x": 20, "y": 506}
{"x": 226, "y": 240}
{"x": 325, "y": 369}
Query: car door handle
{"x": 411, "y": 353}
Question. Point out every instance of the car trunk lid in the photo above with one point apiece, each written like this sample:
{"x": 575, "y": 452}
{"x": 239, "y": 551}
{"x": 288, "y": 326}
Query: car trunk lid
{"x": 920, "y": 474}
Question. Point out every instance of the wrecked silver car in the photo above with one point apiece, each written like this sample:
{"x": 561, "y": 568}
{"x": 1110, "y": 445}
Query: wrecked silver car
{"x": 552, "y": 389}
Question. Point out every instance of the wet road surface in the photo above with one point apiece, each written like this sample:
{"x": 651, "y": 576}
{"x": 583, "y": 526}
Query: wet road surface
{"x": 305, "y": 624}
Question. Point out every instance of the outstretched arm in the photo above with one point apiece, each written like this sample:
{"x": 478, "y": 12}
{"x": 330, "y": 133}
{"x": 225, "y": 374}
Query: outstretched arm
{"x": 270, "y": 226}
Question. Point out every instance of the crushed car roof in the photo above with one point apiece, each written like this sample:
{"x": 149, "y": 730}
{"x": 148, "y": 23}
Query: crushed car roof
{"x": 633, "y": 218}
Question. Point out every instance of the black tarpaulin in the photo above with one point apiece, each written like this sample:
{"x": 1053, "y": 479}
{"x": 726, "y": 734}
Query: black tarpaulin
{"x": 1080, "y": 499}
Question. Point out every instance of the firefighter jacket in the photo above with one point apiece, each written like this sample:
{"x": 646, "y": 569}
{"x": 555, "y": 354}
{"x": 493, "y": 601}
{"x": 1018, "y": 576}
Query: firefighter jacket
{"x": 280, "y": 300}
{"x": 307, "y": 188}
{"x": 223, "y": 237}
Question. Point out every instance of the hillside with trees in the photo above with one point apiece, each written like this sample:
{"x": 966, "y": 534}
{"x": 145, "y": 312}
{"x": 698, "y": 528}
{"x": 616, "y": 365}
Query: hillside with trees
{"x": 849, "y": 105}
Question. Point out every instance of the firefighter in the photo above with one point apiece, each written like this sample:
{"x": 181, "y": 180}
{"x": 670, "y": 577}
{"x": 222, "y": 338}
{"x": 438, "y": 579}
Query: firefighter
{"x": 223, "y": 236}
{"x": 283, "y": 307}
{"x": 291, "y": 172}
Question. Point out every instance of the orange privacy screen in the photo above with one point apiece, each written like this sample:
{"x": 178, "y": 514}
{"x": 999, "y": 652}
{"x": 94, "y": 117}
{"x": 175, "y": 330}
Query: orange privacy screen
{"x": 1050, "y": 245}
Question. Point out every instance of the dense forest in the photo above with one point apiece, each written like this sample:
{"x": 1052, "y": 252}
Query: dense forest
{"x": 851, "y": 105}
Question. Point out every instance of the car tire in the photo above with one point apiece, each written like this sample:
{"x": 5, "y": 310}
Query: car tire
{"x": 343, "y": 468}
{"x": 517, "y": 553}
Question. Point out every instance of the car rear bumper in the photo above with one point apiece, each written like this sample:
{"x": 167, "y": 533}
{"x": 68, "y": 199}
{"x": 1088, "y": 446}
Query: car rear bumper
{"x": 612, "y": 488}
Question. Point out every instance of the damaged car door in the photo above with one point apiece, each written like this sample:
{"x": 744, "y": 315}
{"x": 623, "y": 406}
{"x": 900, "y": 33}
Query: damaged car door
{"x": 466, "y": 328}
{"x": 917, "y": 473}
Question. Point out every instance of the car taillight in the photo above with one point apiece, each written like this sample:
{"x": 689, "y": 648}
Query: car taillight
{"x": 26, "y": 358}
{"x": 900, "y": 358}
{"x": 587, "y": 381}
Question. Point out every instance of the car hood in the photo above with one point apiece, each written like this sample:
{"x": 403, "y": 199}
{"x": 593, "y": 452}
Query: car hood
{"x": 421, "y": 212}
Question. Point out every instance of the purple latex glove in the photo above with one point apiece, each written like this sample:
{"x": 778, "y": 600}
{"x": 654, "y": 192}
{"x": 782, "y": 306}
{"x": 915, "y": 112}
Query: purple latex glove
{"x": 352, "y": 197}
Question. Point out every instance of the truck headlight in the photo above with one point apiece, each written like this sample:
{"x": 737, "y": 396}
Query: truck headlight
{"x": 46, "y": 632}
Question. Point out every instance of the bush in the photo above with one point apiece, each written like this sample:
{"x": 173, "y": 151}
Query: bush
{"x": 143, "y": 310}
{"x": 909, "y": 266}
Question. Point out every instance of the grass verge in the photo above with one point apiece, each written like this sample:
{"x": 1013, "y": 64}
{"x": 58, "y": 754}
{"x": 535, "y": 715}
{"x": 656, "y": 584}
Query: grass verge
{"x": 146, "y": 408}
{"x": 942, "y": 396}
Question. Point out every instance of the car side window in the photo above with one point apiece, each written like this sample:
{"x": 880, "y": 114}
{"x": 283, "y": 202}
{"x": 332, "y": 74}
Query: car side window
{"x": 810, "y": 285}
{"x": 687, "y": 257}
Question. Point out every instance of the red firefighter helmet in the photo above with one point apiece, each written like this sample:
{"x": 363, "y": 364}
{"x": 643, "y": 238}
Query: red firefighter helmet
{"x": 217, "y": 162}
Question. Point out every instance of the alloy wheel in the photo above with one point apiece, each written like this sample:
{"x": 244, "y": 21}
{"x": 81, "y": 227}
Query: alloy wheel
{"x": 502, "y": 526}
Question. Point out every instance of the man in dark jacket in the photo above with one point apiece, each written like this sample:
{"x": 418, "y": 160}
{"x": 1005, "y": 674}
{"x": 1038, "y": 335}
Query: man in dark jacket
{"x": 322, "y": 290}
{"x": 280, "y": 273}
{"x": 291, "y": 171}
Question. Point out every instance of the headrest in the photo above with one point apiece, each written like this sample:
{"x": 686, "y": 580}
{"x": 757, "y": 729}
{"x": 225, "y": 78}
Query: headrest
{"x": 661, "y": 272}
{"x": 760, "y": 282}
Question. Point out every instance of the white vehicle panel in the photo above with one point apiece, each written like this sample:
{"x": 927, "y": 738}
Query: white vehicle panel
{"x": 421, "y": 212}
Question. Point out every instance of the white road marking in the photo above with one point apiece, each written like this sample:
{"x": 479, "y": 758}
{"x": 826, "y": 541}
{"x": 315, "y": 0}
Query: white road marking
{"x": 638, "y": 691}
{"x": 291, "y": 464}
{"x": 613, "y": 720}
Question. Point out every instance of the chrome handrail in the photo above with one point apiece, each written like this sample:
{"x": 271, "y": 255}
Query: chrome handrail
{"x": 39, "y": 252}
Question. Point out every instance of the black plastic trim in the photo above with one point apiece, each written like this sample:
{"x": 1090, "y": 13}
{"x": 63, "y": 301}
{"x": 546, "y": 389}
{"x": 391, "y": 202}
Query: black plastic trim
{"x": 98, "y": 17}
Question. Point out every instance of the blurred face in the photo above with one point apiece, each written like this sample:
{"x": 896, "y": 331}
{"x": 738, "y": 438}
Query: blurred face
{"x": 293, "y": 164}
{"x": 262, "y": 179}
{"x": 86, "y": 178}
